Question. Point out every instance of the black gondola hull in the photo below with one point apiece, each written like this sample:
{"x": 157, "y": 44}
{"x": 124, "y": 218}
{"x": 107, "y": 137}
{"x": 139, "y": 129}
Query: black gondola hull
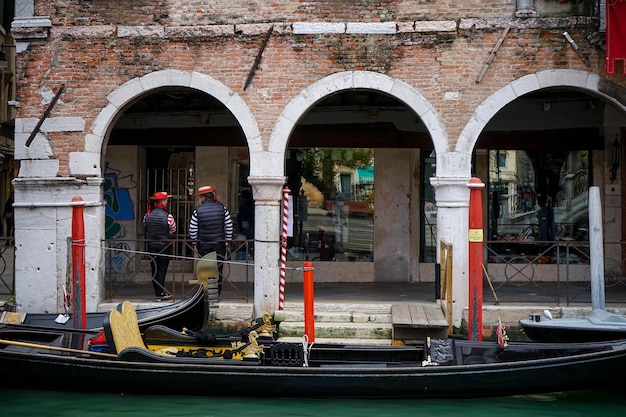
{"x": 522, "y": 369}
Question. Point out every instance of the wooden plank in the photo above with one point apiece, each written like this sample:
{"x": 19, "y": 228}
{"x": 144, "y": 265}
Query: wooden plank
{"x": 418, "y": 316}
{"x": 435, "y": 316}
{"x": 400, "y": 314}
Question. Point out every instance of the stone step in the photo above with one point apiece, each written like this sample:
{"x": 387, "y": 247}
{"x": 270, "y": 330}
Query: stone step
{"x": 334, "y": 316}
{"x": 372, "y": 308}
{"x": 341, "y": 331}
{"x": 337, "y": 313}
{"x": 333, "y": 340}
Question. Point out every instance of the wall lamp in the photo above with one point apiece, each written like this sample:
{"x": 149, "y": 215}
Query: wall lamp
{"x": 616, "y": 157}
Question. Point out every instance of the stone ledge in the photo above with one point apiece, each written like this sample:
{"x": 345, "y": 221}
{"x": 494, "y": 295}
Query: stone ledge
{"x": 37, "y": 28}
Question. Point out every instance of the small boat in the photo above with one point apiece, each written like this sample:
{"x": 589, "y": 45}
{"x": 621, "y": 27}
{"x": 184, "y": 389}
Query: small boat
{"x": 190, "y": 313}
{"x": 59, "y": 359}
{"x": 599, "y": 325}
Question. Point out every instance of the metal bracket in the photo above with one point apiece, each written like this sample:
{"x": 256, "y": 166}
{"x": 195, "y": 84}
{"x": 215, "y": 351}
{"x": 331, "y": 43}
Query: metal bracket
{"x": 257, "y": 61}
{"x": 45, "y": 114}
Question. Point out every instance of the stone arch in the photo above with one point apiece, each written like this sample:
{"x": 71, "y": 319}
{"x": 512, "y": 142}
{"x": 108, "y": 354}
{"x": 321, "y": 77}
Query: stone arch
{"x": 347, "y": 80}
{"x": 491, "y": 105}
{"x": 125, "y": 93}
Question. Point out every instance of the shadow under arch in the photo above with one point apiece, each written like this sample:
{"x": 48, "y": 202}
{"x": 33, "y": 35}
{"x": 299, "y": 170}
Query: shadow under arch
{"x": 126, "y": 93}
{"x": 580, "y": 80}
{"x": 347, "y": 80}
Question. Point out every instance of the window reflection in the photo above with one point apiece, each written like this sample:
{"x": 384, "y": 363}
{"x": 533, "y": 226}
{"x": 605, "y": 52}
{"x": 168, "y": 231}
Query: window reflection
{"x": 536, "y": 199}
{"x": 333, "y": 191}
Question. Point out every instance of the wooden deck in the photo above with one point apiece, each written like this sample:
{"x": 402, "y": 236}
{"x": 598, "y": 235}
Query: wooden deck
{"x": 418, "y": 321}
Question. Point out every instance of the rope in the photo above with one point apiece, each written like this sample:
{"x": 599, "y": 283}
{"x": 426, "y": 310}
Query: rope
{"x": 306, "y": 349}
{"x": 179, "y": 257}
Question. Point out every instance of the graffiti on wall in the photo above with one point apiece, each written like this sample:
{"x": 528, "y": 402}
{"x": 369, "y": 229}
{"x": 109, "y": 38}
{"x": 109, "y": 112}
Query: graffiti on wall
{"x": 118, "y": 209}
{"x": 119, "y": 206}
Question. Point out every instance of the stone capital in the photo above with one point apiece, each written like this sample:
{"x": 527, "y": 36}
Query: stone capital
{"x": 267, "y": 190}
{"x": 451, "y": 191}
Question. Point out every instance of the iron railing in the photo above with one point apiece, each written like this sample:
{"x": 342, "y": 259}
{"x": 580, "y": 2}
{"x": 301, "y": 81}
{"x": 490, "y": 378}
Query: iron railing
{"x": 127, "y": 266}
{"x": 555, "y": 270}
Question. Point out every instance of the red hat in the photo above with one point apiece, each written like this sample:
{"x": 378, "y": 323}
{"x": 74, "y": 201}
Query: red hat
{"x": 206, "y": 189}
{"x": 160, "y": 195}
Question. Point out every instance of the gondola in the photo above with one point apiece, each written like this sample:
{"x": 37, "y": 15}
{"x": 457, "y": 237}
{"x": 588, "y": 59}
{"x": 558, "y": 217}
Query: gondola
{"x": 191, "y": 313}
{"x": 448, "y": 368}
{"x": 599, "y": 325}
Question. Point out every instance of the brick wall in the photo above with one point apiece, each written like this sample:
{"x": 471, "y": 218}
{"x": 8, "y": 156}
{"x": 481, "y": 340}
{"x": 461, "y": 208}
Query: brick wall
{"x": 94, "y": 47}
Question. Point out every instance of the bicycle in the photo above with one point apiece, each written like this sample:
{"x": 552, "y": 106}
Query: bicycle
{"x": 614, "y": 272}
{"x": 519, "y": 271}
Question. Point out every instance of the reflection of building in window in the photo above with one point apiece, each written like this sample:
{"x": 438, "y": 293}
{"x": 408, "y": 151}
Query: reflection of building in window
{"x": 341, "y": 228}
{"x": 544, "y": 190}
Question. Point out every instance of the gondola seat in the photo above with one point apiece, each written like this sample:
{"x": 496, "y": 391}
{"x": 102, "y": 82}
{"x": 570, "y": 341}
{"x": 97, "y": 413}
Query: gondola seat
{"x": 124, "y": 339}
{"x": 122, "y": 329}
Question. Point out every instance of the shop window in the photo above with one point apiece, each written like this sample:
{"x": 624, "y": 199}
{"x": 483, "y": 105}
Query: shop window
{"x": 535, "y": 200}
{"x": 333, "y": 191}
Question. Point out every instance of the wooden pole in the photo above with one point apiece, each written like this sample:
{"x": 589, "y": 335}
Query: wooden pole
{"x": 58, "y": 348}
{"x": 475, "y": 255}
{"x": 309, "y": 302}
{"x": 78, "y": 263}
{"x": 493, "y": 291}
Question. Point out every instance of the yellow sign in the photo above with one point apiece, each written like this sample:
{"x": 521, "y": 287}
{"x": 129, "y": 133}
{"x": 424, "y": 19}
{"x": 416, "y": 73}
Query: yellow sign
{"x": 475, "y": 235}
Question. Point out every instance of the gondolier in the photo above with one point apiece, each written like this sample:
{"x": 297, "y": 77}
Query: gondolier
{"x": 160, "y": 226}
{"x": 211, "y": 227}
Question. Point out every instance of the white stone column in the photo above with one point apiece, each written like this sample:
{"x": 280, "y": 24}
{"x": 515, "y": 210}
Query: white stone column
{"x": 452, "y": 199}
{"x": 43, "y": 226}
{"x": 267, "y": 192}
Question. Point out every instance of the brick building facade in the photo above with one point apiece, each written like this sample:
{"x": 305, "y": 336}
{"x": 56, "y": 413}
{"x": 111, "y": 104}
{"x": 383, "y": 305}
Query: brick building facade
{"x": 456, "y": 68}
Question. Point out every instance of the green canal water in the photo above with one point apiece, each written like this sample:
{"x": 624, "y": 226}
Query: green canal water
{"x": 15, "y": 403}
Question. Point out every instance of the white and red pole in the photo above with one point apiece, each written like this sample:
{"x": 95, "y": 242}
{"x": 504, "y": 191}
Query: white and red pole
{"x": 283, "y": 248}
{"x": 475, "y": 257}
{"x": 78, "y": 263}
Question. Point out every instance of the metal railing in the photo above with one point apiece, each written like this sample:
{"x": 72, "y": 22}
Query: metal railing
{"x": 515, "y": 264}
{"x": 7, "y": 269}
{"x": 127, "y": 268}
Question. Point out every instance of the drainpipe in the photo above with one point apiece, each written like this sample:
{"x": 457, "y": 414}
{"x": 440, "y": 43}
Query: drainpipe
{"x": 525, "y": 8}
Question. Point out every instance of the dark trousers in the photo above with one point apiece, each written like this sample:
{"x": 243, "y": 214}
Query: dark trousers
{"x": 158, "y": 265}
{"x": 220, "y": 249}
{"x": 9, "y": 222}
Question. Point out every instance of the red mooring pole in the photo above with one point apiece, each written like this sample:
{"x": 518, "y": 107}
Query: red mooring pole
{"x": 309, "y": 298}
{"x": 78, "y": 263}
{"x": 475, "y": 257}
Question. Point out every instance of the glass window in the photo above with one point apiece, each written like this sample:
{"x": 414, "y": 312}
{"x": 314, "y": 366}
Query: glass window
{"x": 333, "y": 192}
{"x": 535, "y": 199}
{"x": 429, "y": 228}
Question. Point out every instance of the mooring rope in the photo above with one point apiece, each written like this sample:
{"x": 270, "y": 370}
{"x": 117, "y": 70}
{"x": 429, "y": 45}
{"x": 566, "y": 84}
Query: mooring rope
{"x": 306, "y": 349}
{"x": 177, "y": 257}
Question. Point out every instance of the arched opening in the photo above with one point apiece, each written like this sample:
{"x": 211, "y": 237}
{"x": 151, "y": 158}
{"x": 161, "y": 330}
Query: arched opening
{"x": 538, "y": 155}
{"x": 173, "y": 139}
{"x": 354, "y": 164}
